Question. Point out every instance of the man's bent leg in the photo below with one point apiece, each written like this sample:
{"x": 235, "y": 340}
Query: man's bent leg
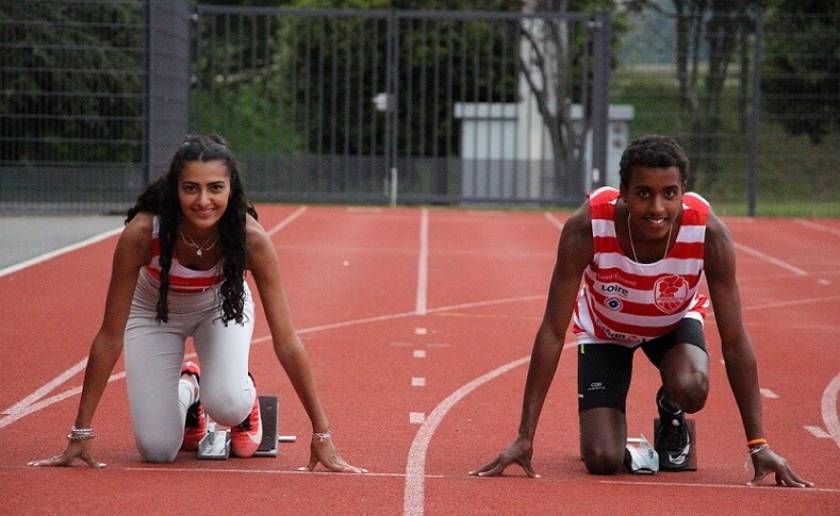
{"x": 604, "y": 372}
{"x": 603, "y": 437}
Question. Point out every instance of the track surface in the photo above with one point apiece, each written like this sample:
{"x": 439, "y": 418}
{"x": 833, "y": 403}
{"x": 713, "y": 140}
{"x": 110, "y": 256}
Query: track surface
{"x": 419, "y": 323}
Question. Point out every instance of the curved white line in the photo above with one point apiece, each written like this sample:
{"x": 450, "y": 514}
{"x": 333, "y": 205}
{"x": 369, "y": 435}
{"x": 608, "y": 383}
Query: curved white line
{"x": 27, "y": 405}
{"x": 415, "y": 469}
{"x": 829, "y": 409}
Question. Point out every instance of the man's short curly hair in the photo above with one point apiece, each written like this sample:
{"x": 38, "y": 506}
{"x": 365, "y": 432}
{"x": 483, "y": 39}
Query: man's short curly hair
{"x": 653, "y": 151}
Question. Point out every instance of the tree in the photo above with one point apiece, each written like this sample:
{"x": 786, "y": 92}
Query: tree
{"x": 800, "y": 80}
{"x": 708, "y": 33}
{"x": 72, "y": 82}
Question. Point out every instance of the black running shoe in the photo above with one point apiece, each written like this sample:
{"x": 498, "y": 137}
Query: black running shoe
{"x": 673, "y": 441}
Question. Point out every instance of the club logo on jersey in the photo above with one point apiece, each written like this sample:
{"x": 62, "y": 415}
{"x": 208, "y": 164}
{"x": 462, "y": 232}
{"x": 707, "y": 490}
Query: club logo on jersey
{"x": 614, "y": 304}
{"x": 670, "y": 293}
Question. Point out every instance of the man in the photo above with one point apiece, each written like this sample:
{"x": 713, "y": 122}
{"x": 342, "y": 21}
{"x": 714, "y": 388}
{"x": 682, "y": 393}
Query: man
{"x": 641, "y": 252}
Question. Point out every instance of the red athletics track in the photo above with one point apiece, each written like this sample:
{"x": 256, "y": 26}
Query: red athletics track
{"x": 359, "y": 282}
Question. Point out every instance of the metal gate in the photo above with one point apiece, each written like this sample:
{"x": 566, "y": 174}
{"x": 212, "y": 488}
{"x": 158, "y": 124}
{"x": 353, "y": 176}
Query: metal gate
{"x": 415, "y": 106}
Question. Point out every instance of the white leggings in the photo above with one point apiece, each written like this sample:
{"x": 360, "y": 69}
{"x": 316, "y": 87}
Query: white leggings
{"x": 154, "y": 353}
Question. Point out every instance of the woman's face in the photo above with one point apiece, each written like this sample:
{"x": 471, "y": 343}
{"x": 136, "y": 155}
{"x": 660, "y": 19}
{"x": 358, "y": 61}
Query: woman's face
{"x": 654, "y": 197}
{"x": 204, "y": 191}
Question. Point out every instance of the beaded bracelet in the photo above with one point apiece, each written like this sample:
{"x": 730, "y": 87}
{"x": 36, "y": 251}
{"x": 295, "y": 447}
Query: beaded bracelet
{"x": 80, "y": 434}
{"x": 321, "y": 436}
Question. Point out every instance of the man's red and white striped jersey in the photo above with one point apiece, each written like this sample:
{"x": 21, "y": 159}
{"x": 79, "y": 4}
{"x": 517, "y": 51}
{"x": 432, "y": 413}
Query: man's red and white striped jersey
{"x": 181, "y": 279}
{"x": 625, "y": 302}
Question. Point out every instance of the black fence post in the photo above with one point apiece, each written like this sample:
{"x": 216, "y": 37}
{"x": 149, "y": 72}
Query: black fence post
{"x": 756, "y": 111}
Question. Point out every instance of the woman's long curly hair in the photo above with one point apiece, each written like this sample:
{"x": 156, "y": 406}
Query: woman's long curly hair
{"x": 161, "y": 198}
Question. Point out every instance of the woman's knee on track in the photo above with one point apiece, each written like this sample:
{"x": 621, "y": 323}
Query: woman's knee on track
{"x": 227, "y": 409}
{"x": 158, "y": 448}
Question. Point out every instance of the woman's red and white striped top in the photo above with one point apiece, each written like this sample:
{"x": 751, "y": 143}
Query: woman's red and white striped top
{"x": 625, "y": 302}
{"x": 181, "y": 279}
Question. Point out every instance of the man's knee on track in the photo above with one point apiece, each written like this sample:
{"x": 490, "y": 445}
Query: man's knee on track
{"x": 690, "y": 390}
{"x": 601, "y": 461}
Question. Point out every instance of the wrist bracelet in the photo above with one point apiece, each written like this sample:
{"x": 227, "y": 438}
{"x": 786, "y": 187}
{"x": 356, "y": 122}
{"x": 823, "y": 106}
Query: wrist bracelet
{"x": 321, "y": 436}
{"x": 757, "y": 449}
{"x": 758, "y": 440}
{"x": 80, "y": 434}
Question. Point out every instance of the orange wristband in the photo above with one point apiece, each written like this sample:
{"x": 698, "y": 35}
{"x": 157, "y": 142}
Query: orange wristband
{"x": 754, "y": 442}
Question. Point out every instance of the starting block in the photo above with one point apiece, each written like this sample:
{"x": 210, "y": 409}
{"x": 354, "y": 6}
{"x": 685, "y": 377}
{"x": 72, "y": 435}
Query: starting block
{"x": 216, "y": 444}
{"x": 691, "y": 461}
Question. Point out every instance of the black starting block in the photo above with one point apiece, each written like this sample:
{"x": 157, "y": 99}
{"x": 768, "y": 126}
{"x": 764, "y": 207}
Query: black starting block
{"x": 216, "y": 444}
{"x": 691, "y": 462}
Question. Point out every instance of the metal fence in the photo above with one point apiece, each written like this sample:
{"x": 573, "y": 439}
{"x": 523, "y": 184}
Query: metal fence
{"x": 751, "y": 95}
{"x": 371, "y": 106}
{"x": 416, "y": 106}
{"x": 92, "y": 91}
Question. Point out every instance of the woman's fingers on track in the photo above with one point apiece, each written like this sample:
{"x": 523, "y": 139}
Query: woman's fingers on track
{"x": 91, "y": 461}
{"x": 311, "y": 466}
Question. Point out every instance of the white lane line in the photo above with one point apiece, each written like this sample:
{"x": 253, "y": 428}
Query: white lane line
{"x": 418, "y": 381}
{"x": 210, "y": 471}
{"x": 44, "y": 389}
{"x": 818, "y": 227}
{"x": 420, "y": 331}
{"x": 551, "y": 218}
{"x": 423, "y": 263}
{"x": 770, "y": 259}
{"x": 288, "y": 220}
{"x": 58, "y": 252}
{"x": 767, "y": 393}
{"x": 823, "y": 281}
{"x": 829, "y": 409}
{"x": 783, "y": 304}
{"x": 419, "y": 353}
{"x": 416, "y": 418}
{"x": 46, "y": 402}
{"x": 415, "y": 469}
{"x": 69, "y": 373}
{"x": 723, "y": 486}
{"x": 817, "y": 432}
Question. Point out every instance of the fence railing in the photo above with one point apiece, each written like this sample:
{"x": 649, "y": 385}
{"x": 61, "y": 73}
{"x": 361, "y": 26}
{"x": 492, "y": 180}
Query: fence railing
{"x": 371, "y": 106}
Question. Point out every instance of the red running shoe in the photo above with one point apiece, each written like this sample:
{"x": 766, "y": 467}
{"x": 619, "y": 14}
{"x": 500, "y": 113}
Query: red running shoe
{"x": 195, "y": 425}
{"x": 245, "y": 438}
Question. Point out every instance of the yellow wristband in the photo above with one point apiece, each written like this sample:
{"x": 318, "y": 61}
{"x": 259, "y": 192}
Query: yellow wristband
{"x": 754, "y": 442}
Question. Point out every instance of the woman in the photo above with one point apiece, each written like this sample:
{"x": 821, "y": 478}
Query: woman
{"x": 641, "y": 252}
{"x": 179, "y": 271}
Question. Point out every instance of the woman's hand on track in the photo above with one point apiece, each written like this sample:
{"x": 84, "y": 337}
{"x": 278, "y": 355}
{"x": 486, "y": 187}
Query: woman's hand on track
{"x": 325, "y": 452}
{"x": 519, "y": 452}
{"x": 766, "y": 462}
{"x": 74, "y": 450}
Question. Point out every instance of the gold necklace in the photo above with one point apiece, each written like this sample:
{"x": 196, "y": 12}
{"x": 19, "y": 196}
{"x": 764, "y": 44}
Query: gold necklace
{"x": 633, "y": 247}
{"x": 199, "y": 249}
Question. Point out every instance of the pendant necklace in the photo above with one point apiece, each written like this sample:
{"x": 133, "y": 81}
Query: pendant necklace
{"x": 199, "y": 249}
{"x": 633, "y": 247}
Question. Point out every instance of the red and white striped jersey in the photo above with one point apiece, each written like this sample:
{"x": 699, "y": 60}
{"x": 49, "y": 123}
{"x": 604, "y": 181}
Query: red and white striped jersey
{"x": 625, "y": 302}
{"x": 181, "y": 279}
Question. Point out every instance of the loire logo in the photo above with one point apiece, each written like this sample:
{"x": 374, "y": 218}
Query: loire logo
{"x": 670, "y": 293}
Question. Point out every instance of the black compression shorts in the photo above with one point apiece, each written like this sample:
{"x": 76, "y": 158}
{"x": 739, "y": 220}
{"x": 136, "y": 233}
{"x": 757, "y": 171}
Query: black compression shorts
{"x": 604, "y": 370}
